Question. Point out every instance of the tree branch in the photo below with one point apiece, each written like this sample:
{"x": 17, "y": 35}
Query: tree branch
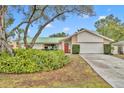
{"x": 31, "y": 21}
{"x": 43, "y": 26}
{"x": 27, "y": 27}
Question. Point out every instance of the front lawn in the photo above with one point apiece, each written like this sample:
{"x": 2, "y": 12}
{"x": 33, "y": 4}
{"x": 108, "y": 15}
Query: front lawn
{"x": 77, "y": 73}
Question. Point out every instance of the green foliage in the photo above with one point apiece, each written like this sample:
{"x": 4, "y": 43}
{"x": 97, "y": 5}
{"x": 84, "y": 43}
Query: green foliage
{"x": 30, "y": 60}
{"x": 107, "y": 48}
{"x": 111, "y": 27}
{"x": 75, "y": 49}
{"x": 62, "y": 34}
{"x": 9, "y": 21}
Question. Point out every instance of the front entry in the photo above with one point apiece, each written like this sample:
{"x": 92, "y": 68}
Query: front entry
{"x": 66, "y": 48}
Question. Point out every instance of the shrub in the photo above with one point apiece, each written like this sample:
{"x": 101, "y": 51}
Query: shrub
{"x": 31, "y": 60}
{"x": 75, "y": 49}
{"x": 107, "y": 48}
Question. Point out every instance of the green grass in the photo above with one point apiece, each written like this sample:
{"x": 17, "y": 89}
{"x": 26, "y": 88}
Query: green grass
{"x": 75, "y": 74}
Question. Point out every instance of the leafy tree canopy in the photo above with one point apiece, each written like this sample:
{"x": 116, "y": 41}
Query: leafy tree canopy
{"x": 41, "y": 16}
{"x": 62, "y": 34}
{"x": 111, "y": 27}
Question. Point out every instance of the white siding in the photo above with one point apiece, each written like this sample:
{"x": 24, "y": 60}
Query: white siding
{"x": 22, "y": 46}
{"x": 91, "y": 48}
{"x": 88, "y": 37}
{"x": 123, "y": 49}
{"x": 38, "y": 46}
{"x": 115, "y": 50}
{"x": 107, "y": 41}
{"x": 60, "y": 46}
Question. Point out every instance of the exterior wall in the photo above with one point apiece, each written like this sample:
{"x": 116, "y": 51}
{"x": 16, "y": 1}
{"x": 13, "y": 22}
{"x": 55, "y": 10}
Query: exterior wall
{"x": 60, "y": 46}
{"x": 74, "y": 39}
{"x": 115, "y": 49}
{"x": 42, "y": 46}
{"x": 88, "y": 37}
{"x": 106, "y": 41}
{"x": 123, "y": 49}
{"x": 22, "y": 46}
{"x": 38, "y": 46}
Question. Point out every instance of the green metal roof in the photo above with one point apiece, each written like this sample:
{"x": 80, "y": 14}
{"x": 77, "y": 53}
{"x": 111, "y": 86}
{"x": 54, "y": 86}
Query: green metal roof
{"x": 45, "y": 40}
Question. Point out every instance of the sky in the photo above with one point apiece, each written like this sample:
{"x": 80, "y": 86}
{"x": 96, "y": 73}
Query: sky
{"x": 73, "y": 22}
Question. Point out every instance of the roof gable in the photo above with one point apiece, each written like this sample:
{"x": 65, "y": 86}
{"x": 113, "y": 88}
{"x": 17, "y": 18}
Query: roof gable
{"x": 91, "y": 32}
{"x": 96, "y": 34}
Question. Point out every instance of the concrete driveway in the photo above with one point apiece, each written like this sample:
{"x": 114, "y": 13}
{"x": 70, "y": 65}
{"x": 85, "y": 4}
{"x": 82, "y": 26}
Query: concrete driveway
{"x": 110, "y": 68}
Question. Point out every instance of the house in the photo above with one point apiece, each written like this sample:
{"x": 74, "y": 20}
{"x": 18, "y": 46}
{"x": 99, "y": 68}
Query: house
{"x": 118, "y": 47}
{"x": 46, "y": 43}
{"x": 89, "y": 41}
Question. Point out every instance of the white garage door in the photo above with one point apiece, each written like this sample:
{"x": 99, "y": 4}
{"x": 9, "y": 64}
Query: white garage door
{"x": 91, "y": 47}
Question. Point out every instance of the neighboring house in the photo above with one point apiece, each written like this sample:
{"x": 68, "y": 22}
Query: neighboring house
{"x": 89, "y": 41}
{"x": 118, "y": 47}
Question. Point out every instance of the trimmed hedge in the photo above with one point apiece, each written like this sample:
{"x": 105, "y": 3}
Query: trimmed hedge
{"x": 31, "y": 60}
{"x": 75, "y": 49}
{"x": 107, "y": 48}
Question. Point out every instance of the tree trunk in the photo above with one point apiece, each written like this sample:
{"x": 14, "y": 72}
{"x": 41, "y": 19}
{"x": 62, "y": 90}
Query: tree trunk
{"x": 18, "y": 40}
{"x": 4, "y": 46}
{"x": 1, "y": 45}
{"x": 42, "y": 27}
{"x": 27, "y": 27}
{"x": 8, "y": 47}
{"x": 3, "y": 41}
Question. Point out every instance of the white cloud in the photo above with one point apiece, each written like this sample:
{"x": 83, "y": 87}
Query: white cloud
{"x": 49, "y": 26}
{"x": 66, "y": 29}
{"x": 101, "y": 17}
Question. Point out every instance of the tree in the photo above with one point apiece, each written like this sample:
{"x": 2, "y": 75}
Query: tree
{"x": 62, "y": 34}
{"x": 41, "y": 16}
{"x": 19, "y": 31}
{"x": 3, "y": 40}
{"x": 111, "y": 27}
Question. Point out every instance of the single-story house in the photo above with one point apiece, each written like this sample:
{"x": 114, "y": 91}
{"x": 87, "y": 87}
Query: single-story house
{"x": 46, "y": 43}
{"x": 89, "y": 41}
{"x": 118, "y": 47}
